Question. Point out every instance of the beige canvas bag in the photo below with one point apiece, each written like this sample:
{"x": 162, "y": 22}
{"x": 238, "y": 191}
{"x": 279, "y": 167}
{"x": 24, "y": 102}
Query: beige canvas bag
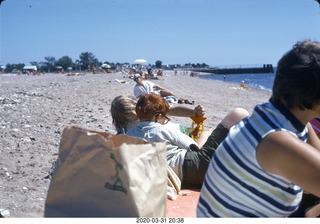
{"x": 104, "y": 175}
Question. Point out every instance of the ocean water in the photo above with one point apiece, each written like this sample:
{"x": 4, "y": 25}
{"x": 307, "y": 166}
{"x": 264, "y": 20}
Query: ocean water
{"x": 263, "y": 81}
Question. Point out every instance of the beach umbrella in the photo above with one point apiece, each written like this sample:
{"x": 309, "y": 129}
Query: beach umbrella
{"x": 105, "y": 66}
{"x": 140, "y": 61}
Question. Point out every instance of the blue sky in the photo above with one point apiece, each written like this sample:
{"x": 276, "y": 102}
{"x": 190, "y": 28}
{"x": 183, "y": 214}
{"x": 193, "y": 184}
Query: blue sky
{"x": 215, "y": 32}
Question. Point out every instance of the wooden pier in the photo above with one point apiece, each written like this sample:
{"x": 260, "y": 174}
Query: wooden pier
{"x": 266, "y": 68}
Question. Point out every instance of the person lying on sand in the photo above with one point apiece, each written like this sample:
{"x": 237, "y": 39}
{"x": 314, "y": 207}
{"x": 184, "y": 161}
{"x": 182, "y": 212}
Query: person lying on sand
{"x": 143, "y": 87}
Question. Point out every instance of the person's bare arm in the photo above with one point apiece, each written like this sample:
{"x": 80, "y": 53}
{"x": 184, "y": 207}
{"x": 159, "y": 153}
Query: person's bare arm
{"x": 283, "y": 154}
{"x": 184, "y": 111}
{"x": 157, "y": 87}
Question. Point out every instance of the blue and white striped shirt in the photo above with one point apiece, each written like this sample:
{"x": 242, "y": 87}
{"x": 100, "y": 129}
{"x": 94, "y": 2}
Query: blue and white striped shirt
{"x": 236, "y": 185}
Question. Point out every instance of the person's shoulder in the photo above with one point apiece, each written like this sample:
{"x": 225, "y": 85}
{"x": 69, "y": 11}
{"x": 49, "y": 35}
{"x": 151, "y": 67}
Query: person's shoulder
{"x": 167, "y": 128}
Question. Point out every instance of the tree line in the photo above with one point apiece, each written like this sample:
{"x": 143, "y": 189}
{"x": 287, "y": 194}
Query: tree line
{"x": 51, "y": 64}
{"x": 86, "y": 60}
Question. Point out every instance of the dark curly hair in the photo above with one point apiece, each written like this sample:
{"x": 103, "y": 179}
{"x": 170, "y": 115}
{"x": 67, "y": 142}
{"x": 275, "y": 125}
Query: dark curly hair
{"x": 297, "y": 80}
{"x": 151, "y": 104}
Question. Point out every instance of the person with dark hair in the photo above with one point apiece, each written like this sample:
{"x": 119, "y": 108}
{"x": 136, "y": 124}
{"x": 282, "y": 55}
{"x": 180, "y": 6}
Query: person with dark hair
{"x": 188, "y": 159}
{"x": 272, "y": 157}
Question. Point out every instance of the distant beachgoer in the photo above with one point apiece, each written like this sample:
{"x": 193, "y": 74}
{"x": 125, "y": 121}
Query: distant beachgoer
{"x": 143, "y": 87}
{"x": 151, "y": 75}
{"x": 243, "y": 86}
{"x": 160, "y": 72}
{"x": 93, "y": 69}
{"x": 272, "y": 157}
{"x": 132, "y": 71}
{"x": 187, "y": 158}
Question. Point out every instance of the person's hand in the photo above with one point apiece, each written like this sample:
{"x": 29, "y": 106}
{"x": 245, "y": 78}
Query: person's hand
{"x": 199, "y": 111}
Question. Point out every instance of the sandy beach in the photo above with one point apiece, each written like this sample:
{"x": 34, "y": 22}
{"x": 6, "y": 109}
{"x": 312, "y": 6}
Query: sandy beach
{"x": 34, "y": 110}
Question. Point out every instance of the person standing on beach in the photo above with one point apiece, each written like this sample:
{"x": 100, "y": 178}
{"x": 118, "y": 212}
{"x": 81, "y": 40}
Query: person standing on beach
{"x": 272, "y": 157}
{"x": 143, "y": 87}
{"x": 187, "y": 158}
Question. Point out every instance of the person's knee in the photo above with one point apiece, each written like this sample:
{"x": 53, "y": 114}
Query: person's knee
{"x": 166, "y": 93}
{"x": 234, "y": 117}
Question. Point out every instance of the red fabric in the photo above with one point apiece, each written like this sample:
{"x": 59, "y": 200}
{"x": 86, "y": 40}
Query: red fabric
{"x": 316, "y": 125}
{"x": 184, "y": 206}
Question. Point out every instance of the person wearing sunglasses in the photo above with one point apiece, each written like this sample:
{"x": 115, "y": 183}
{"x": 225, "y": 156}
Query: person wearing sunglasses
{"x": 185, "y": 156}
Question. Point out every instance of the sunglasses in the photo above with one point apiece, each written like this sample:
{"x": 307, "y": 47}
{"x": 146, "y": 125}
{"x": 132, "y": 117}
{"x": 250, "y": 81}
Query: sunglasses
{"x": 166, "y": 119}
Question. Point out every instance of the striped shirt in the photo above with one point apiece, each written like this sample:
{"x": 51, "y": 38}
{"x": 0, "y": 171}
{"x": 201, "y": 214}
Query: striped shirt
{"x": 236, "y": 185}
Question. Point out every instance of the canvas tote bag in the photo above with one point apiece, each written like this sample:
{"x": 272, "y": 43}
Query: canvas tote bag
{"x": 103, "y": 175}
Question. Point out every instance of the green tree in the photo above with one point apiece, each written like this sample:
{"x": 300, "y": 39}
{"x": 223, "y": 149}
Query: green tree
{"x": 86, "y": 59}
{"x": 50, "y": 63}
{"x": 65, "y": 62}
{"x": 158, "y": 64}
{"x": 10, "y": 67}
{"x": 34, "y": 63}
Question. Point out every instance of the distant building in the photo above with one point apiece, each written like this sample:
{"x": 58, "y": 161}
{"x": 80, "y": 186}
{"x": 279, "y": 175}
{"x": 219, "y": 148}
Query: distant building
{"x": 29, "y": 69}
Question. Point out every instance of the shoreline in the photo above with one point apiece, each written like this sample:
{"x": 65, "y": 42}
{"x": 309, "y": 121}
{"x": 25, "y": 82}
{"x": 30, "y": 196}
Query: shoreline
{"x": 36, "y": 109}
